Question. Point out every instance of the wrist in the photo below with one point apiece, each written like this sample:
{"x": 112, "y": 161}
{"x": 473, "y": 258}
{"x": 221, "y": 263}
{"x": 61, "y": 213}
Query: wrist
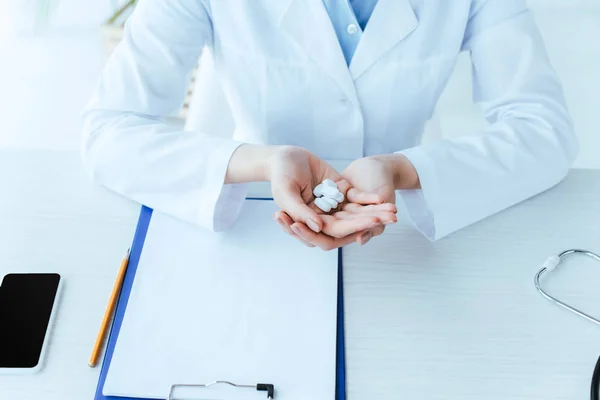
{"x": 251, "y": 163}
{"x": 279, "y": 156}
{"x": 403, "y": 171}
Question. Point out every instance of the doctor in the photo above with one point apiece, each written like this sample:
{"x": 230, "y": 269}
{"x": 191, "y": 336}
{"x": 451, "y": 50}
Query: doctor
{"x": 314, "y": 80}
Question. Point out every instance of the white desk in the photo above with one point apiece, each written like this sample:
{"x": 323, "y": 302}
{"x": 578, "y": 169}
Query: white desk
{"x": 52, "y": 218}
{"x": 461, "y": 319}
{"x": 447, "y": 320}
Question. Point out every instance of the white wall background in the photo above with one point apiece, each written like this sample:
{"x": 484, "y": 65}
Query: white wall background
{"x": 47, "y": 75}
{"x": 46, "y": 78}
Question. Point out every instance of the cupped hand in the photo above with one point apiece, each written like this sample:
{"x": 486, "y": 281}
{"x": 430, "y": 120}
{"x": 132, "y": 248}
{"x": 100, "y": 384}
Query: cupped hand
{"x": 368, "y": 185}
{"x": 372, "y": 175}
{"x": 294, "y": 172}
{"x": 382, "y": 175}
{"x": 353, "y": 223}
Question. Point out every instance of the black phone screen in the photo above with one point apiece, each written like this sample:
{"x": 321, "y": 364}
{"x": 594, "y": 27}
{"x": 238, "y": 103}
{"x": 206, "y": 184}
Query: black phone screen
{"x": 26, "y": 302}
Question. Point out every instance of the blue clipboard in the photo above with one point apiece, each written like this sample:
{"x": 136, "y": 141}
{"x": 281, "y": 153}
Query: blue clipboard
{"x": 134, "y": 258}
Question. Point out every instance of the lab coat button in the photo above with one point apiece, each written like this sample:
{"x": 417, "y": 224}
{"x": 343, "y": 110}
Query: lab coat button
{"x": 352, "y": 29}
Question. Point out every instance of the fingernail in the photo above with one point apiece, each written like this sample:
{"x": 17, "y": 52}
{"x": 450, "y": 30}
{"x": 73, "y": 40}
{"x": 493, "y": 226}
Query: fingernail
{"x": 313, "y": 225}
{"x": 364, "y": 239}
{"x": 389, "y": 222}
{"x": 280, "y": 222}
{"x": 296, "y": 230}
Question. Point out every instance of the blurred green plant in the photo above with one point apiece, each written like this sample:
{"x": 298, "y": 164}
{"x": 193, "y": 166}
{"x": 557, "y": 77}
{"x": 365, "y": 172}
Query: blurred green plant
{"x": 120, "y": 11}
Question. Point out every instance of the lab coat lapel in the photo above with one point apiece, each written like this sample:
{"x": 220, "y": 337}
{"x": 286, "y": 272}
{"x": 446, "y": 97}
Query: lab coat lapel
{"x": 391, "y": 22}
{"x": 308, "y": 23}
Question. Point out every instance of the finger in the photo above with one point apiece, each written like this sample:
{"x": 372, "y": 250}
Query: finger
{"x": 339, "y": 228}
{"x": 286, "y": 222}
{"x": 386, "y": 218}
{"x": 343, "y": 214}
{"x": 359, "y": 208}
{"x": 298, "y": 238}
{"x": 285, "y": 218}
{"x": 278, "y": 216}
{"x": 343, "y": 186}
{"x": 366, "y": 236}
{"x": 356, "y": 196}
{"x": 378, "y": 230}
{"x": 299, "y": 211}
{"x": 321, "y": 240}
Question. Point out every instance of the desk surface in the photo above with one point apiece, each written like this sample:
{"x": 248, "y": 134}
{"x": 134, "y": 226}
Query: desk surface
{"x": 461, "y": 318}
{"x": 455, "y": 319}
{"x": 53, "y": 219}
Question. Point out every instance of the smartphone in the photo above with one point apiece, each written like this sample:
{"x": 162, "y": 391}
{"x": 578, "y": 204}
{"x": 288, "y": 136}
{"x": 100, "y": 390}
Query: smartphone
{"x": 28, "y": 304}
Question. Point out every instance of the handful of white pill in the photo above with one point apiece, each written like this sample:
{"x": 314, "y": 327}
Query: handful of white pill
{"x": 328, "y": 196}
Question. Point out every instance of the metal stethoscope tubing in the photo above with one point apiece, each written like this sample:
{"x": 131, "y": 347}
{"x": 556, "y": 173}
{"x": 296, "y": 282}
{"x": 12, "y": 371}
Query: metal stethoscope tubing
{"x": 551, "y": 264}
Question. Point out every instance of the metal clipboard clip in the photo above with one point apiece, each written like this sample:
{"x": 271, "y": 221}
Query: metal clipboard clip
{"x": 260, "y": 387}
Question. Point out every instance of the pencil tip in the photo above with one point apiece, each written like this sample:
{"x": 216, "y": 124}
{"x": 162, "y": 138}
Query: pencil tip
{"x": 91, "y": 365}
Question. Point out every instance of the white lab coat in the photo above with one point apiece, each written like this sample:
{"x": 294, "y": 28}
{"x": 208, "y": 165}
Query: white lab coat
{"x": 285, "y": 81}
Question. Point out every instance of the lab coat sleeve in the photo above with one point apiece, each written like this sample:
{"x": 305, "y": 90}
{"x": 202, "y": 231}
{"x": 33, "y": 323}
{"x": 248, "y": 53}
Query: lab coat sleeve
{"x": 130, "y": 147}
{"x": 528, "y": 145}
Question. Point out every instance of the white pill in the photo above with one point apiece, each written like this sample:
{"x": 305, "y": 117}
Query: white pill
{"x": 318, "y": 191}
{"x": 331, "y": 202}
{"x": 339, "y": 197}
{"x": 323, "y": 204}
{"x": 330, "y": 183}
{"x": 329, "y": 191}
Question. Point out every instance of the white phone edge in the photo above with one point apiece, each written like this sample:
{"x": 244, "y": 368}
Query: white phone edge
{"x": 41, "y": 361}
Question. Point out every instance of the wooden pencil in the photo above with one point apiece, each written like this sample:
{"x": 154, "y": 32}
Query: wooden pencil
{"x": 112, "y": 302}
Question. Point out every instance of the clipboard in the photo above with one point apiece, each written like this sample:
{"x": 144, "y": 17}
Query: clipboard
{"x": 134, "y": 258}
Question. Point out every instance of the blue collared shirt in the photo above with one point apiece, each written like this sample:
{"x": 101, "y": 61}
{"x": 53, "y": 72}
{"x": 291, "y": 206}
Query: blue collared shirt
{"x": 349, "y": 19}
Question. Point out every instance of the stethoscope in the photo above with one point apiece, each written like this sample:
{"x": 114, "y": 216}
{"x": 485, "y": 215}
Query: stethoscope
{"x": 550, "y": 265}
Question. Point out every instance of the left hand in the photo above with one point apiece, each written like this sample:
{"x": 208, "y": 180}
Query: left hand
{"x": 372, "y": 175}
{"x": 382, "y": 175}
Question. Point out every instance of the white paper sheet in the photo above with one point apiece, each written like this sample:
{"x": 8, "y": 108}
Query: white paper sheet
{"x": 250, "y": 305}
